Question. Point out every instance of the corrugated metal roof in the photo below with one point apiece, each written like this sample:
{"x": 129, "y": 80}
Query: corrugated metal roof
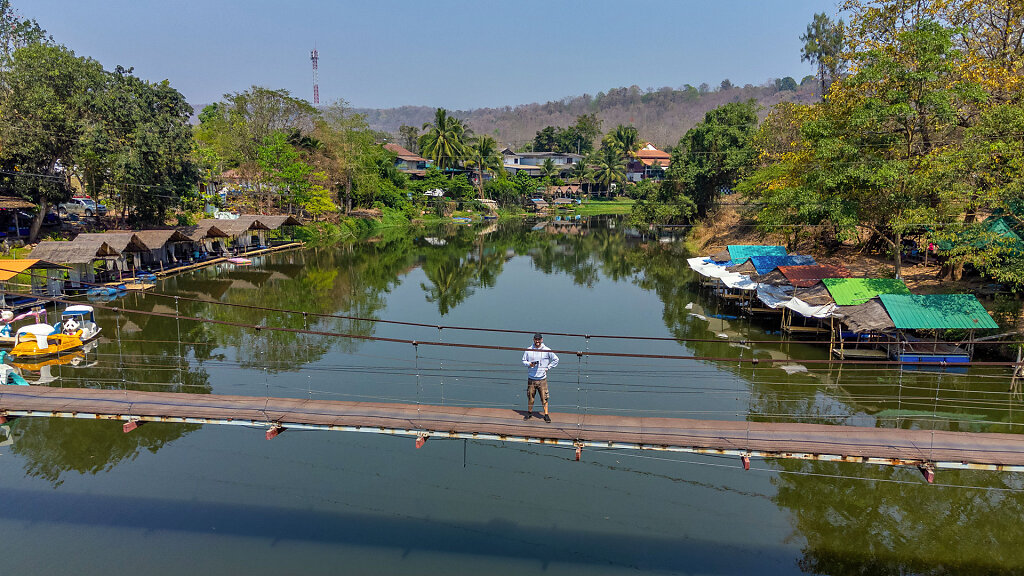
{"x": 11, "y": 268}
{"x": 806, "y": 276}
{"x": 765, "y": 264}
{"x": 937, "y": 311}
{"x": 740, "y": 252}
{"x": 853, "y": 291}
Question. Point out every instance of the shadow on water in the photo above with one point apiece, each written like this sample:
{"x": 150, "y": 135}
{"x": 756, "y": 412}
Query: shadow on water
{"x": 499, "y": 539}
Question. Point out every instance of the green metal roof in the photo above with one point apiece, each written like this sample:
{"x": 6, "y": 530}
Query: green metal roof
{"x": 939, "y": 311}
{"x": 994, "y": 229}
{"x": 740, "y": 252}
{"x": 854, "y": 291}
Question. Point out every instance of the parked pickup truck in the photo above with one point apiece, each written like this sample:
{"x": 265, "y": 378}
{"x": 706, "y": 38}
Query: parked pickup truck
{"x": 81, "y": 207}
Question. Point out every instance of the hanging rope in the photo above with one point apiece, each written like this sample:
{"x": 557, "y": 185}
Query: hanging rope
{"x": 416, "y": 348}
{"x": 177, "y": 322}
{"x": 440, "y": 363}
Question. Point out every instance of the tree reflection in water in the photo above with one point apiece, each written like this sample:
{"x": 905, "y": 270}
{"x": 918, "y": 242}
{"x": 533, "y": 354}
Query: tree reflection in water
{"x": 853, "y": 520}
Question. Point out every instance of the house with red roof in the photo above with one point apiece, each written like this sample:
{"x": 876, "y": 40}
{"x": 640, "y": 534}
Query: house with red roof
{"x": 649, "y": 163}
{"x": 412, "y": 164}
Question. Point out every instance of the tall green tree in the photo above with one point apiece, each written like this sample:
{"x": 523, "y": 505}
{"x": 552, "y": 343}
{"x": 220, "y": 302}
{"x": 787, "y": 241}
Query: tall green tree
{"x": 483, "y": 155}
{"x": 17, "y": 32}
{"x": 625, "y": 140}
{"x": 408, "y": 137}
{"x": 549, "y": 169}
{"x": 47, "y": 103}
{"x": 444, "y": 142}
{"x": 823, "y": 46}
{"x": 609, "y": 168}
{"x": 139, "y": 144}
{"x": 713, "y": 155}
{"x": 282, "y": 165}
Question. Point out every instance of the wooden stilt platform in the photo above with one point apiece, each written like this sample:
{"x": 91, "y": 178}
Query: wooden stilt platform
{"x": 212, "y": 261}
{"x": 924, "y": 448}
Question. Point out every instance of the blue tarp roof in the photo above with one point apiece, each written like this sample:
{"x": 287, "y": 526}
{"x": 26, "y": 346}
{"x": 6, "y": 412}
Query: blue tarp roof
{"x": 740, "y": 252}
{"x": 765, "y": 264}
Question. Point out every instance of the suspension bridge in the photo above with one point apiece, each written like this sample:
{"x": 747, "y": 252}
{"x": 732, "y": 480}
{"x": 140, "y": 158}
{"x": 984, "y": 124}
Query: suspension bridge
{"x": 928, "y": 450}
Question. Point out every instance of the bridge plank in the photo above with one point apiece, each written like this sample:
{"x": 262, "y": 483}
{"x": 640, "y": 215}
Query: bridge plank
{"x": 773, "y": 437}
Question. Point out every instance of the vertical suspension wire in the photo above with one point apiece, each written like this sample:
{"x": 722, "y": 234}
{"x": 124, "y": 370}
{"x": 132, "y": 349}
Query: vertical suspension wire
{"x": 179, "y": 361}
{"x": 935, "y": 414}
{"x": 440, "y": 363}
{"x": 416, "y": 349}
{"x": 899, "y": 398}
{"x": 120, "y": 349}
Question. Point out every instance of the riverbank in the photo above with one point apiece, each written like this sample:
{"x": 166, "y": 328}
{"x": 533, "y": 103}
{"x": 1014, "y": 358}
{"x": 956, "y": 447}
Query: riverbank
{"x": 729, "y": 226}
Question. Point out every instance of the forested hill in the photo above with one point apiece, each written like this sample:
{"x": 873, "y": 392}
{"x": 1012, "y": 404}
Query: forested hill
{"x": 661, "y": 116}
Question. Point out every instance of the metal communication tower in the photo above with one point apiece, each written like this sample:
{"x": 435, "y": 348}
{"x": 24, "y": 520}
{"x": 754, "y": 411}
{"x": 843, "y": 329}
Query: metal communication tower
{"x": 315, "y": 57}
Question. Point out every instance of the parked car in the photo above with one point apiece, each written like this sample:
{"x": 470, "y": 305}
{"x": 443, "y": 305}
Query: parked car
{"x": 81, "y": 207}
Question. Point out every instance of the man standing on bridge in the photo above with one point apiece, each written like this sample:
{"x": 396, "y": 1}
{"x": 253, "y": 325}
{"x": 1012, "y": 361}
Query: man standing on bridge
{"x": 539, "y": 359}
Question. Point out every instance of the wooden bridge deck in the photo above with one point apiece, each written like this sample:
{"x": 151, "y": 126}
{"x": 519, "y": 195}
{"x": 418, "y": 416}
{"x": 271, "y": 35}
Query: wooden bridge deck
{"x": 936, "y": 449}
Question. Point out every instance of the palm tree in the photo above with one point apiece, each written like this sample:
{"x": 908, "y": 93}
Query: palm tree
{"x": 627, "y": 139}
{"x": 548, "y": 169}
{"x": 610, "y": 168}
{"x": 580, "y": 172}
{"x": 444, "y": 140}
{"x": 483, "y": 154}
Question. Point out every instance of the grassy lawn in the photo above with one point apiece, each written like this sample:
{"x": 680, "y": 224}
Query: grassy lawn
{"x": 594, "y": 207}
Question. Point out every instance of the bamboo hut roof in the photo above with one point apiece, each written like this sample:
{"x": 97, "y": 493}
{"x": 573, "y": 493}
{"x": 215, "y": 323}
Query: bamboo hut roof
{"x": 120, "y": 240}
{"x": 78, "y": 252}
{"x": 199, "y": 232}
{"x": 159, "y": 238}
{"x": 233, "y": 227}
{"x": 272, "y": 222}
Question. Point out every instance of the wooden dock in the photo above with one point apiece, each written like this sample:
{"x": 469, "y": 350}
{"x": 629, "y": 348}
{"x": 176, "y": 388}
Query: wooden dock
{"x": 212, "y": 261}
{"x": 926, "y": 449}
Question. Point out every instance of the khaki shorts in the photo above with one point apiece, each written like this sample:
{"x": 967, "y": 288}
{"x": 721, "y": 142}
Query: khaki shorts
{"x": 532, "y": 386}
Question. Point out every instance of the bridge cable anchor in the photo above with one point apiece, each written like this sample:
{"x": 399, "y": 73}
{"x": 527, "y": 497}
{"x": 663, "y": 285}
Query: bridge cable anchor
{"x": 928, "y": 471}
{"x": 131, "y": 424}
{"x": 275, "y": 430}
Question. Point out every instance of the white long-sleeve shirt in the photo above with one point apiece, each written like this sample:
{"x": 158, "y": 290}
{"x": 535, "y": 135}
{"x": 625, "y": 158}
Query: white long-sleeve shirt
{"x": 544, "y": 358}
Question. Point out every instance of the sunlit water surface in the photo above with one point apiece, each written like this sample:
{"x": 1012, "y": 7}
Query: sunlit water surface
{"x": 82, "y": 497}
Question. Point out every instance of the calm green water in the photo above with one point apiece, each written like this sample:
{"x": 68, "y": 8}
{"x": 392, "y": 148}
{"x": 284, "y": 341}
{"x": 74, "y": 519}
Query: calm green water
{"x": 81, "y": 497}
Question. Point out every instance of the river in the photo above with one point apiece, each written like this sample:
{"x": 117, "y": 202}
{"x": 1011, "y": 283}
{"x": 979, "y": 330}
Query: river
{"x": 82, "y": 497}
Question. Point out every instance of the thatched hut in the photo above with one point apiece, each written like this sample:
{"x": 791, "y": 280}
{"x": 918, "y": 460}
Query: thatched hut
{"x": 80, "y": 256}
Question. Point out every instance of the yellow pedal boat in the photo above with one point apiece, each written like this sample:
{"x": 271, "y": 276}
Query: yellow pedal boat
{"x": 42, "y": 340}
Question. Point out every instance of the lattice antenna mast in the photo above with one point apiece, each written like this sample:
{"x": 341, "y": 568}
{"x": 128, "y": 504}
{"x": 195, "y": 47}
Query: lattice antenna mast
{"x": 314, "y": 56}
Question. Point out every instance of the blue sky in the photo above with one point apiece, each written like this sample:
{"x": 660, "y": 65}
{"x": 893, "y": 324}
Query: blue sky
{"x": 449, "y": 53}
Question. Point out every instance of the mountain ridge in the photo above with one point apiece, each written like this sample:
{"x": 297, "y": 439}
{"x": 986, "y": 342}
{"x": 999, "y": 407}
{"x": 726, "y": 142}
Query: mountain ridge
{"x": 661, "y": 116}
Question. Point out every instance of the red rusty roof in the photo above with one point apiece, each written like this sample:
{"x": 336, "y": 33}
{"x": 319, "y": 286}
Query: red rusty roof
{"x": 806, "y": 276}
{"x": 404, "y": 153}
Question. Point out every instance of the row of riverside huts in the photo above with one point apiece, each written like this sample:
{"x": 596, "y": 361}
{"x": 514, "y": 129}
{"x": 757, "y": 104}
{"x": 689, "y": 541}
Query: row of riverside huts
{"x": 106, "y": 256}
{"x": 864, "y": 318}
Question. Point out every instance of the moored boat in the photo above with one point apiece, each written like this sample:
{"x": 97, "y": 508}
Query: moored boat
{"x": 42, "y": 340}
{"x": 8, "y": 318}
{"x": 80, "y": 318}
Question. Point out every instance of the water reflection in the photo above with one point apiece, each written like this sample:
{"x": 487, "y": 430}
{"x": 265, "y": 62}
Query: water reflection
{"x": 853, "y": 519}
{"x": 883, "y": 520}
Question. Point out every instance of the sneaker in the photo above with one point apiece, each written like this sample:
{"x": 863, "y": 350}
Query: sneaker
{"x": 528, "y": 416}
{"x": 547, "y": 418}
